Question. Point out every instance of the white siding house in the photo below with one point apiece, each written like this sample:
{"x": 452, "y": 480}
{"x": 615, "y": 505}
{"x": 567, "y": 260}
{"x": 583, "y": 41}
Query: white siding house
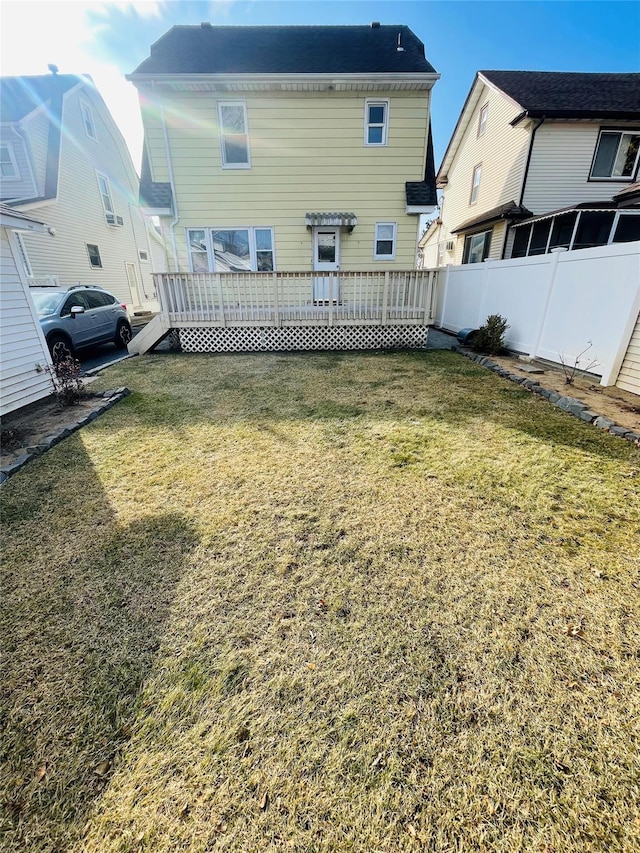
{"x": 65, "y": 160}
{"x": 531, "y": 144}
{"x": 24, "y": 355}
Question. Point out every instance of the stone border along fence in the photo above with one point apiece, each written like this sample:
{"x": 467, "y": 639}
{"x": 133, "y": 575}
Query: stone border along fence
{"x": 567, "y": 404}
{"x": 110, "y": 399}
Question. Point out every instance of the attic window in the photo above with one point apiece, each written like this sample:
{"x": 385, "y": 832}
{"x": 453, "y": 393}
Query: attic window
{"x": 8, "y": 164}
{"x": 482, "y": 121}
{"x": 88, "y": 122}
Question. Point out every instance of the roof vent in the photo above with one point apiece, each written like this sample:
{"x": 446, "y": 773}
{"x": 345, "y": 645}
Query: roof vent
{"x": 399, "y": 48}
{"x": 375, "y": 25}
{"x": 53, "y": 68}
{"x": 205, "y": 25}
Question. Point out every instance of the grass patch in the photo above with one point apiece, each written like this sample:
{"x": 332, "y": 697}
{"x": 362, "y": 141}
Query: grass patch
{"x": 322, "y": 603}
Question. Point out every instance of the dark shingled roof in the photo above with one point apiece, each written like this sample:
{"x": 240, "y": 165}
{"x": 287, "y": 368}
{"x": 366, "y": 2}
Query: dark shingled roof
{"x": 511, "y": 210}
{"x": 19, "y": 96}
{"x": 155, "y": 194}
{"x": 561, "y": 94}
{"x": 423, "y": 193}
{"x": 206, "y": 49}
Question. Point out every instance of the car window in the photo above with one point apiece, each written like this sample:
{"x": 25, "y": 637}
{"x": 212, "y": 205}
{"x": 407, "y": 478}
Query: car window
{"x": 46, "y": 302}
{"x": 76, "y": 298}
{"x": 94, "y": 299}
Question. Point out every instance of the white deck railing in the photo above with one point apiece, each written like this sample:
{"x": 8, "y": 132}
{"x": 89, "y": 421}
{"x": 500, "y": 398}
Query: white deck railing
{"x": 297, "y": 298}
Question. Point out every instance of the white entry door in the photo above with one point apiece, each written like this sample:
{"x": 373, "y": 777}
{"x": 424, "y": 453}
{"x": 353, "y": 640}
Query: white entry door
{"x": 134, "y": 286}
{"x": 326, "y": 259}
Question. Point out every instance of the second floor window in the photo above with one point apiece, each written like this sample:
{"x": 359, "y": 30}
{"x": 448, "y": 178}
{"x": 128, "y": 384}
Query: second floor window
{"x": 376, "y": 122}
{"x": 475, "y": 184}
{"x": 105, "y": 193}
{"x": 616, "y": 154}
{"x": 234, "y": 135}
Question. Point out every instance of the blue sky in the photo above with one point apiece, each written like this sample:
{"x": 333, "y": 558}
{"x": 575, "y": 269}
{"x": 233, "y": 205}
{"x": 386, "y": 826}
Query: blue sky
{"x": 110, "y": 39}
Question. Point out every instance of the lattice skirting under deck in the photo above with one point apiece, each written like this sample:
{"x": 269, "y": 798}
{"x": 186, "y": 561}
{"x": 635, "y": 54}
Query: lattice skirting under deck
{"x": 270, "y": 339}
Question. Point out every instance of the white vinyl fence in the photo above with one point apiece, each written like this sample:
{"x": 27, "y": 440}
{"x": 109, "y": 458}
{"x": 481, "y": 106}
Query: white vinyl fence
{"x": 554, "y": 304}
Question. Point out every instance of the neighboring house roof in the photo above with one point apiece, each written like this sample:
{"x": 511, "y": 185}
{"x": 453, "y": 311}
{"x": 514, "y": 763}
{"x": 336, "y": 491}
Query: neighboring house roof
{"x": 205, "y": 49}
{"x": 154, "y": 195}
{"x": 511, "y": 210}
{"x": 629, "y": 196}
{"x": 561, "y": 94}
{"x": 19, "y": 221}
{"x": 552, "y": 94}
{"x": 431, "y": 228}
{"x": 20, "y": 96}
{"x": 587, "y": 205}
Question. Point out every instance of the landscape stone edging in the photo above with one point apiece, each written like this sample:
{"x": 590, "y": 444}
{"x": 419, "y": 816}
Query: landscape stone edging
{"x": 571, "y": 405}
{"x": 110, "y": 399}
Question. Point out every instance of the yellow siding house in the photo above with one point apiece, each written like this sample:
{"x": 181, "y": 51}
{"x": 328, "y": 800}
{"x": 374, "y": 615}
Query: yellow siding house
{"x": 287, "y": 150}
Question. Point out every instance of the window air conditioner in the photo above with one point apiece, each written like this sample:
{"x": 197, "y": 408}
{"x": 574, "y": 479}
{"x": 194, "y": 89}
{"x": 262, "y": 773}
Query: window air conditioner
{"x": 450, "y": 246}
{"x": 112, "y": 219}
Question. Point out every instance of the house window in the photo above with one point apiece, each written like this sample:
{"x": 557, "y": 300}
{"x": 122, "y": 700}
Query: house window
{"x": 627, "y": 229}
{"x": 105, "y": 193}
{"x": 94, "y": 255}
{"x": 385, "y": 241}
{"x": 540, "y": 237}
{"x": 593, "y": 229}
{"x": 562, "y": 230}
{"x": 616, "y": 155}
{"x": 231, "y": 249}
{"x": 482, "y": 121}
{"x": 87, "y": 121}
{"x": 144, "y": 256}
{"x": 376, "y": 122}
{"x": 476, "y": 247}
{"x": 8, "y": 164}
{"x": 234, "y": 136}
{"x": 521, "y": 241}
{"x": 198, "y": 251}
{"x": 475, "y": 184}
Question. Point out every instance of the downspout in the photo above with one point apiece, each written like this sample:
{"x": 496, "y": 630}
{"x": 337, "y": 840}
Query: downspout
{"x": 176, "y": 214}
{"x": 524, "y": 179}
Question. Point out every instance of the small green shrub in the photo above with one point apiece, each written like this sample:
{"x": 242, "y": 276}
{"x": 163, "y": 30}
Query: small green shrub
{"x": 490, "y": 337}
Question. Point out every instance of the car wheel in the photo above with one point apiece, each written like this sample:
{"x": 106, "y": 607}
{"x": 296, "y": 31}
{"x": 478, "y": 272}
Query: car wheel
{"x": 123, "y": 335}
{"x": 60, "y": 348}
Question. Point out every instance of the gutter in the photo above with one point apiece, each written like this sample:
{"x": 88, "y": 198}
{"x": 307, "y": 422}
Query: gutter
{"x": 176, "y": 214}
{"x": 517, "y": 120}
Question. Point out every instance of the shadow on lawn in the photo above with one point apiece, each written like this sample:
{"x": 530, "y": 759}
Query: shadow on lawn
{"x": 85, "y": 600}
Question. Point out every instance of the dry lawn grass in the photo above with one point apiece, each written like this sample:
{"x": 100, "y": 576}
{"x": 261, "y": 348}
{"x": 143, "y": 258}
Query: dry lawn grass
{"x": 323, "y": 603}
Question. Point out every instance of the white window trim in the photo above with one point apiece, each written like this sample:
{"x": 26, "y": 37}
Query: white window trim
{"x": 24, "y": 255}
{"x": 84, "y": 106}
{"x": 477, "y": 169}
{"x": 223, "y": 161}
{"x": 392, "y": 256}
{"x": 482, "y": 234}
{"x": 622, "y": 131}
{"x": 99, "y": 175}
{"x": 14, "y": 163}
{"x": 93, "y": 266}
{"x": 253, "y": 250}
{"x": 385, "y": 127}
{"x": 482, "y": 126}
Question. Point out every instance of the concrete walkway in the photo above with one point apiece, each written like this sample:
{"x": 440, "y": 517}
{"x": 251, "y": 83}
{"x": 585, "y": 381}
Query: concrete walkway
{"x": 437, "y": 339}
